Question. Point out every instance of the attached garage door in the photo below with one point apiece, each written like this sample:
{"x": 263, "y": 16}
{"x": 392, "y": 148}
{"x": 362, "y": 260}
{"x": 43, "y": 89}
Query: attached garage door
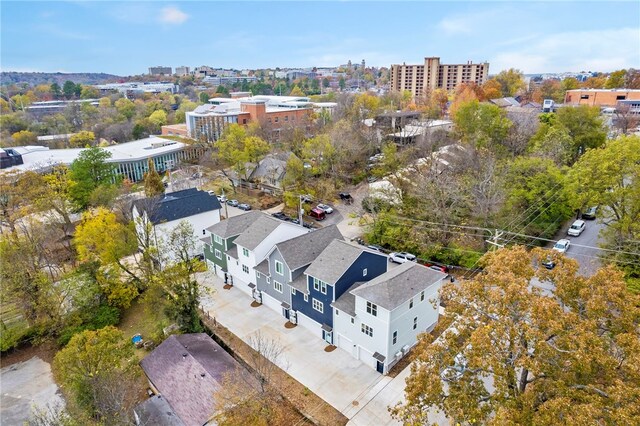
{"x": 346, "y": 344}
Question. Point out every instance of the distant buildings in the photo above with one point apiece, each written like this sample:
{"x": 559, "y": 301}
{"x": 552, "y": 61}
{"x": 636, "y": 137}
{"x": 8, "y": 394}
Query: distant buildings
{"x": 207, "y": 122}
{"x": 137, "y": 87}
{"x": 221, "y": 80}
{"x": 160, "y": 70}
{"x": 433, "y": 75}
{"x": 600, "y": 97}
{"x": 44, "y": 108}
{"x": 182, "y": 71}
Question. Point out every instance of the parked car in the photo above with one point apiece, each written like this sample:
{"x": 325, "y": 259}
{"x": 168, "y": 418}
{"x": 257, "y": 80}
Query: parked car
{"x": 280, "y": 215}
{"x": 346, "y": 197}
{"x": 325, "y": 208}
{"x": 576, "y": 228}
{"x": 374, "y": 247}
{"x": 211, "y": 193}
{"x": 233, "y": 203}
{"x": 401, "y": 257}
{"x": 562, "y": 245}
{"x": 317, "y": 214}
{"x": 590, "y": 213}
{"x": 222, "y": 198}
{"x": 549, "y": 263}
{"x": 439, "y": 268}
{"x": 245, "y": 207}
{"x": 306, "y": 198}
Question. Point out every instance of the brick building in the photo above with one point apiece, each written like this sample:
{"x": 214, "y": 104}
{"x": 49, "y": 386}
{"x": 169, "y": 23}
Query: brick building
{"x": 600, "y": 97}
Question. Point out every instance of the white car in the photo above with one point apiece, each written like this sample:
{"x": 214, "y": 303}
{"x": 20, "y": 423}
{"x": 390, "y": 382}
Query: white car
{"x": 401, "y": 257}
{"x": 576, "y": 228}
{"x": 325, "y": 208}
{"x": 562, "y": 246}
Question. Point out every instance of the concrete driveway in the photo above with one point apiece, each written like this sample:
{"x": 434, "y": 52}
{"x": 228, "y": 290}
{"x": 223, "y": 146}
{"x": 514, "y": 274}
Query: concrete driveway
{"x": 342, "y": 381}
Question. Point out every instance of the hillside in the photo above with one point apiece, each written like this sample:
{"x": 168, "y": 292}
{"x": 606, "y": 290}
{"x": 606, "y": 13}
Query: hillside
{"x": 35, "y": 78}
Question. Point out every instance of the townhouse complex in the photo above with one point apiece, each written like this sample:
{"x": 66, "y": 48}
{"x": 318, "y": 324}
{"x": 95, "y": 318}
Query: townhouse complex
{"x": 342, "y": 293}
{"x": 432, "y": 75}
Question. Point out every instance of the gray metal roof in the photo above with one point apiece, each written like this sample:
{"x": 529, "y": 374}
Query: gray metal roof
{"x": 347, "y": 302}
{"x": 395, "y": 287}
{"x": 235, "y": 225}
{"x": 304, "y": 249}
{"x": 257, "y": 231}
{"x": 334, "y": 261}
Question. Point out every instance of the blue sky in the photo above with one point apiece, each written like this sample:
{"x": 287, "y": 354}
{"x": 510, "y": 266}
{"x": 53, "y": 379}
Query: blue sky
{"x": 126, "y": 38}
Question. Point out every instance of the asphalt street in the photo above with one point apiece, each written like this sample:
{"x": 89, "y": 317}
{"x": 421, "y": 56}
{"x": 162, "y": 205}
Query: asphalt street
{"x": 588, "y": 258}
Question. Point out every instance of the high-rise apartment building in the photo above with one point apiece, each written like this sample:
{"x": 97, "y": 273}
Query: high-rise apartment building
{"x": 418, "y": 79}
{"x": 182, "y": 71}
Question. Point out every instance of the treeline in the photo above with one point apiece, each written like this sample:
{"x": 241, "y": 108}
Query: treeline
{"x": 36, "y": 78}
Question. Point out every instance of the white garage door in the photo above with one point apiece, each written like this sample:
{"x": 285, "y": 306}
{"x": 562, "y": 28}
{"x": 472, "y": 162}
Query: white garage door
{"x": 310, "y": 324}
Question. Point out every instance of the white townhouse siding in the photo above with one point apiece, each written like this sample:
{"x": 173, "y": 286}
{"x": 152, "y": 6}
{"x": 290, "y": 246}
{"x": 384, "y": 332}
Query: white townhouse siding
{"x": 253, "y": 245}
{"x": 378, "y": 321}
{"x": 199, "y": 222}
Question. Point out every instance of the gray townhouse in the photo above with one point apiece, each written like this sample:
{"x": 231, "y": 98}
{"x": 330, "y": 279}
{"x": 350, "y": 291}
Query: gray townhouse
{"x": 285, "y": 263}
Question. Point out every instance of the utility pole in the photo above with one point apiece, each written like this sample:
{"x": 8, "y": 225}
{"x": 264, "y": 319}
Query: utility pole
{"x": 494, "y": 239}
{"x": 300, "y": 210}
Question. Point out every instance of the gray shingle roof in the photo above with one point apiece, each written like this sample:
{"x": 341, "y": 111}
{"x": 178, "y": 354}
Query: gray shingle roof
{"x": 334, "y": 261}
{"x": 235, "y": 225}
{"x": 177, "y": 205}
{"x": 263, "y": 267}
{"x": 398, "y": 285}
{"x": 300, "y": 284}
{"x": 187, "y": 370}
{"x": 302, "y": 250}
{"x": 233, "y": 252}
{"x": 347, "y": 302}
{"x": 256, "y": 232}
{"x": 157, "y": 411}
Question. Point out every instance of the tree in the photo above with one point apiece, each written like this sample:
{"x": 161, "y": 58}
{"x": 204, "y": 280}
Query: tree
{"x": 236, "y": 148}
{"x": 56, "y": 91}
{"x": 341, "y": 83}
{"x": 89, "y": 92}
{"x": 296, "y": 91}
{"x": 101, "y": 238}
{"x": 158, "y": 118}
{"x": 569, "y": 83}
{"x": 179, "y": 286}
{"x": 82, "y": 139}
{"x": 625, "y": 119}
{"x": 99, "y": 371}
{"x": 89, "y": 171}
{"x": 125, "y": 107}
{"x": 492, "y": 89}
{"x": 481, "y": 125}
{"x": 326, "y": 82}
{"x": 554, "y": 143}
{"x": 70, "y": 89}
{"x": 223, "y": 91}
{"x": 511, "y": 81}
{"x": 204, "y": 97}
{"x": 24, "y": 137}
{"x": 609, "y": 176}
{"x": 584, "y": 125}
{"x": 616, "y": 80}
{"x": 568, "y": 357}
{"x": 153, "y": 185}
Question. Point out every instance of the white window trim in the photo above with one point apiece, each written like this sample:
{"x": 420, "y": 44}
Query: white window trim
{"x": 217, "y": 239}
{"x": 281, "y": 272}
{"x": 315, "y": 304}
{"x": 320, "y": 286}
{"x": 306, "y": 297}
{"x": 218, "y": 254}
{"x": 275, "y": 286}
{"x": 247, "y": 271}
{"x": 245, "y": 252}
{"x": 364, "y": 272}
{"x": 372, "y": 309}
{"x": 365, "y": 329}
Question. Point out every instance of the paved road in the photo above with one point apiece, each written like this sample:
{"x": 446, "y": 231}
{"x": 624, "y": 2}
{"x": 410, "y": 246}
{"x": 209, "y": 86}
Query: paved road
{"x": 586, "y": 257}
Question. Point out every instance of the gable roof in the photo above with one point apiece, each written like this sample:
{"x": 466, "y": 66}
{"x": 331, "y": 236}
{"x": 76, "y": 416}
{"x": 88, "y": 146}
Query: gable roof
{"x": 398, "y": 285}
{"x": 334, "y": 260}
{"x": 302, "y": 250}
{"x": 157, "y": 411}
{"x": 234, "y": 225}
{"x": 187, "y": 370}
{"x": 255, "y": 233}
{"x": 177, "y": 205}
{"x": 347, "y": 301}
{"x": 273, "y": 165}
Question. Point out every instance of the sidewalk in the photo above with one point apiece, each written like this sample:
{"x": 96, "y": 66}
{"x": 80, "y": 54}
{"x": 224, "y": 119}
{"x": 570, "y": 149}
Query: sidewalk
{"x": 336, "y": 377}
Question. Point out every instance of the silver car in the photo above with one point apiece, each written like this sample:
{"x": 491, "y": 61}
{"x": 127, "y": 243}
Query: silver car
{"x": 401, "y": 257}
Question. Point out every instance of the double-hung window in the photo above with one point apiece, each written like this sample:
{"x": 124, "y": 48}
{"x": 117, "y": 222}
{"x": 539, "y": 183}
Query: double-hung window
{"x": 320, "y": 286}
{"x": 218, "y": 254}
{"x": 245, "y": 269}
{"x": 217, "y": 239}
{"x": 279, "y": 268}
{"x": 365, "y": 329}
{"x": 277, "y": 286}
{"x": 318, "y": 306}
{"x": 372, "y": 309}
{"x": 245, "y": 252}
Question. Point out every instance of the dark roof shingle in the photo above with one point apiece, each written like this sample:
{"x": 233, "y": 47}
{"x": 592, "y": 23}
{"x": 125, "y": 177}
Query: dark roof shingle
{"x": 304, "y": 249}
{"x": 177, "y": 205}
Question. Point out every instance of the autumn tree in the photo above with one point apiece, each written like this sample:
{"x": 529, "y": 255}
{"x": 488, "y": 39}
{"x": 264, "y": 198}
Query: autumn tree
{"x": 511, "y": 81}
{"x": 98, "y": 369}
{"x": 492, "y": 89}
{"x": 24, "y": 137}
{"x": 585, "y": 127}
{"x": 481, "y": 125}
{"x": 296, "y": 91}
{"x": 82, "y": 139}
{"x": 126, "y": 108}
{"x": 517, "y": 355}
{"x": 616, "y": 80}
{"x": 153, "y": 185}
{"x": 609, "y": 176}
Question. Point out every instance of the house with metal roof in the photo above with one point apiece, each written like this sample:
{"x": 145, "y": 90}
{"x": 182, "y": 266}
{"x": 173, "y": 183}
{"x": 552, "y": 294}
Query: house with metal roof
{"x": 379, "y": 320}
{"x": 285, "y": 263}
{"x": 333, "y": 272}
{"x": 185, "y": 372}
{"x": 164, "y": 213}
{"x": 253, "y": 245}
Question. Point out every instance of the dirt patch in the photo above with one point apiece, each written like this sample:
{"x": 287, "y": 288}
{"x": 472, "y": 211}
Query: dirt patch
{"x": 255, "y": 304}
{"x": 227, "y": 287}
{"x": 403, "y": 363}
{"x": 330, "y": 348}
{"x": 289, "y": 324}
{"x": 310, "y": 406}
{"x": 45, "y": 351}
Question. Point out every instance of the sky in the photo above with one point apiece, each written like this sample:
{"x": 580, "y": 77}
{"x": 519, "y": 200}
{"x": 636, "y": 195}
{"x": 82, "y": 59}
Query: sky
{"x": 126, "y": 38}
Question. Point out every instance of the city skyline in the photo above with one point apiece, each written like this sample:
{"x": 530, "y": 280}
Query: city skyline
{"x": 128, "y": 38}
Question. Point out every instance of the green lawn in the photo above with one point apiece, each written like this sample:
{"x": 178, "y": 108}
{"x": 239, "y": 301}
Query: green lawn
{"x": 139, "y": 319}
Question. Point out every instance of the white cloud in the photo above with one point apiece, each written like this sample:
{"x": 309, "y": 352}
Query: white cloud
{"x": 173, "y": 15}
{"x": 599, "y": 50}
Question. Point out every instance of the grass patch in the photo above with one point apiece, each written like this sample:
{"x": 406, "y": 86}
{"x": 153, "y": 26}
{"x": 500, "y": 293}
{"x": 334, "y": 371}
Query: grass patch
{"x": 148, "y": 322}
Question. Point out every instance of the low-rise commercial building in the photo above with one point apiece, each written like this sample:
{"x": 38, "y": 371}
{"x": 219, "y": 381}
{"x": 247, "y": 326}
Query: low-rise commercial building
{"x": 600, "y": 97}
